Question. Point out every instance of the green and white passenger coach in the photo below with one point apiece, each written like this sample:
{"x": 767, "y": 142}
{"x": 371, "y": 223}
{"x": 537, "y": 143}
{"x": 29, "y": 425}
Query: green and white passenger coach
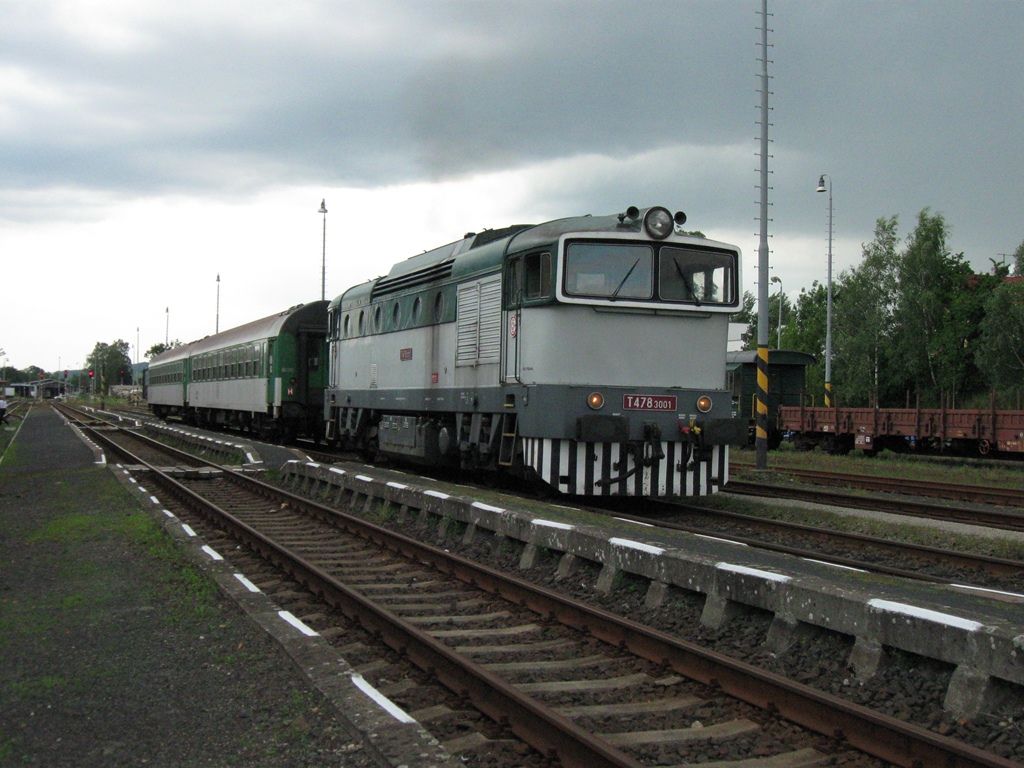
{"x": 267, "y": 376}
{"x": 587, "y": 353}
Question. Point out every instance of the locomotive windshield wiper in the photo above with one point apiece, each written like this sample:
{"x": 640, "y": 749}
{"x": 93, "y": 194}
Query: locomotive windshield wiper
{"x": 615, "y": 293}
{"x": 686, "y": 281}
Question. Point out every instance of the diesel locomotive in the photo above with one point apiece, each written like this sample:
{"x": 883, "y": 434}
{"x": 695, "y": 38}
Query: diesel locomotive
{"x": 585, "y": 353}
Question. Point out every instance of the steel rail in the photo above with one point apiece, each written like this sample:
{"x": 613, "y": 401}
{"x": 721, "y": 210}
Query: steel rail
{"x": 863, "y": 729}
{"x": 994, "y": 565}
{"x": 1008, "y": 520}
{"x": 902, "y": 485}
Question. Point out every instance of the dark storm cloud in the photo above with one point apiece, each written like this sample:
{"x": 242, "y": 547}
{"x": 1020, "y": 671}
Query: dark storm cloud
{"x": 906, "y": 105}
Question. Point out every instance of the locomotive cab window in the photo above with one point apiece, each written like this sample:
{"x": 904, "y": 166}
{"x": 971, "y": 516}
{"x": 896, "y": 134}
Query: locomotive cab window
{"x": 696, "y": 276}
{"x": 537, "y": 276}
{"x": 609, "y": 271}
{"x": 514, "y": 283}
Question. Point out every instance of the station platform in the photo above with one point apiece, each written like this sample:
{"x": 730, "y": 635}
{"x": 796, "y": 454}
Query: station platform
{"x": 116, "y": 651}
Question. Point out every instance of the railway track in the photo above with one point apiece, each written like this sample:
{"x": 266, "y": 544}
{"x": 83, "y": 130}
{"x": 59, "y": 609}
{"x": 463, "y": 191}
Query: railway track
{"x": 577, "y": 683}
{"x": 849, "y": 550}
{"x": 1008, "y": 519}
{"x": 973, "y": 494}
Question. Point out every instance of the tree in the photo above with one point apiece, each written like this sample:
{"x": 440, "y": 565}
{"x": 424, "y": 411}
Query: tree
{"x": 1018, "y": 259}
{"x": 1000, "y": 344}
{"x": 863, "y": 318}
{"x": 111, "y": 364}
{"x": 160, "y": 347}
{"x": 747, "y": 316}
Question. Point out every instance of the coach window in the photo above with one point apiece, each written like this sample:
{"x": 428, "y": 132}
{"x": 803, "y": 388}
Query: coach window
{"x": 537, "y": 276}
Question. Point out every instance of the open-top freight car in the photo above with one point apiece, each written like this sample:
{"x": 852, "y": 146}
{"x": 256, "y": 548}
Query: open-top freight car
{"x": 266, "y": 376}
{"x": 587, "y": 353}
{"x": 968, "y": 431}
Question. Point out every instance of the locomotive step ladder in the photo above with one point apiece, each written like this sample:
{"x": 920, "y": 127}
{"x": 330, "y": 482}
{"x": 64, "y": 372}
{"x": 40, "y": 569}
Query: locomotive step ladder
{"x": 509, "y": 433}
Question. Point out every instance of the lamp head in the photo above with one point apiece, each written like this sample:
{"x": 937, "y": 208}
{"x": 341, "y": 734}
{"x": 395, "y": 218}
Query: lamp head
{"x": 821, "y": 183}
{"x": 323, "y": 206}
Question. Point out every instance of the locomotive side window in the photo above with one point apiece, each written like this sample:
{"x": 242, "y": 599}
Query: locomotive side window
{"x": 696, "y": 276}
{"x": 438, "y": 307}
{"x": 417, "y": 307}
{"x": 514, "y": 283}
{"x": 348, "y": 318}
{"x": 537, "y": 276}
{"x": 609, "y": 270}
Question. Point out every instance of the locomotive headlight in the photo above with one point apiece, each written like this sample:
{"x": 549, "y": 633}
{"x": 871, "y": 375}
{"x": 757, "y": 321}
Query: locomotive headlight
{"x": 595, "y": 400}
{"x": 658, "y": 223}
{"x": 703, "y": 403}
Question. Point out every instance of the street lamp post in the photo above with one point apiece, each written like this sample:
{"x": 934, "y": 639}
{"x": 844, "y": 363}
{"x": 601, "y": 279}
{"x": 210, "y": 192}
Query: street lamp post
{"x": 828, "y": 302}
{"x": 777, "y": 279}
{"x": 323, "y": 257}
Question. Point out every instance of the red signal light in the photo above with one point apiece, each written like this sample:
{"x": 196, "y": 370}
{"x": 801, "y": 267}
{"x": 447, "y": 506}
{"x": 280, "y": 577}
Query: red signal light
{"x": 91, "y": 373}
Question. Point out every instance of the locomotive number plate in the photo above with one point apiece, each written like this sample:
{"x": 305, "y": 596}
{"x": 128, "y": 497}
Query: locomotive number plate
{"x": 649, "y": 402}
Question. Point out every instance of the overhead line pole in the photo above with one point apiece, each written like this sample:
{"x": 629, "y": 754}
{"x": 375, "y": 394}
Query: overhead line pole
{"x": 761, "y": 424}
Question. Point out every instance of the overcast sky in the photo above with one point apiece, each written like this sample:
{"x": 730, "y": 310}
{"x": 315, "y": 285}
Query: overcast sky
{"x": 146, "y": 147}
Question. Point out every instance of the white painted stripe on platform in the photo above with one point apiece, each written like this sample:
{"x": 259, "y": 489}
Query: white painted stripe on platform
{"x": 927, "y": 614}
{"x": 133, "y": 480}
{"x": 638, "y": 545}
{"x": 437, "y": 494}
{"x": 250, "y": 458}
{"x": 154, "y": 499}
{"x": 487, "y": 507}
{"x": 246, "y": 583}
{"x": 724, "y": 541}
{"x": 399, "y": 486}
{"x": 303, "y": 628}
{"x": 188, "y": 529}
{"x": 745, "y": 571}
{"x": 312, "y": 464}
{"x": 338, "y": 471}
{"x": 988, "y": 591}
{"x": 553, "y": 524}
{"x": 169, "y": 513}
{"x": 364, "y": 478}
{"x": 381, "y": 700}
{"x": 634, "y": 522}
{"x": 214, "y": 554}
{"x": 835, "y": 565}
{"x": 142, "y": 490}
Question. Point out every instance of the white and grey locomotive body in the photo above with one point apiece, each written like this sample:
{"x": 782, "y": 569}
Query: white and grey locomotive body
{"x": 588, "y": 353}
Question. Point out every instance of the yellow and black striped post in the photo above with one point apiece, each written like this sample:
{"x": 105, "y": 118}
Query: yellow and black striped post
{"x": 828, "y": 394}
{"x": 761, "y": 424}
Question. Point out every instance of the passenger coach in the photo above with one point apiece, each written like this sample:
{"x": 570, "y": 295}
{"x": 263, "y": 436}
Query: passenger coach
{"x": 267, "y": 376}
{"x": 587, "y": 352}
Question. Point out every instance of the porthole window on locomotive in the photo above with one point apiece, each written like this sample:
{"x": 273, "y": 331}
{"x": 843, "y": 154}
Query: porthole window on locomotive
{"x": 417, "y": 307}
{"x": 362, "y": 322}
{"x": 348, "y": 318}
{"x": 438, "y": 307}
{"x": 376, "y": 319}
{"x": 396, "y": 315}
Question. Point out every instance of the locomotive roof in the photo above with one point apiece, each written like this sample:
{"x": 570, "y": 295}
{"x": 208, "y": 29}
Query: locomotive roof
{"x": 314, "y": 313}
{"x": 477, "y": 252}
